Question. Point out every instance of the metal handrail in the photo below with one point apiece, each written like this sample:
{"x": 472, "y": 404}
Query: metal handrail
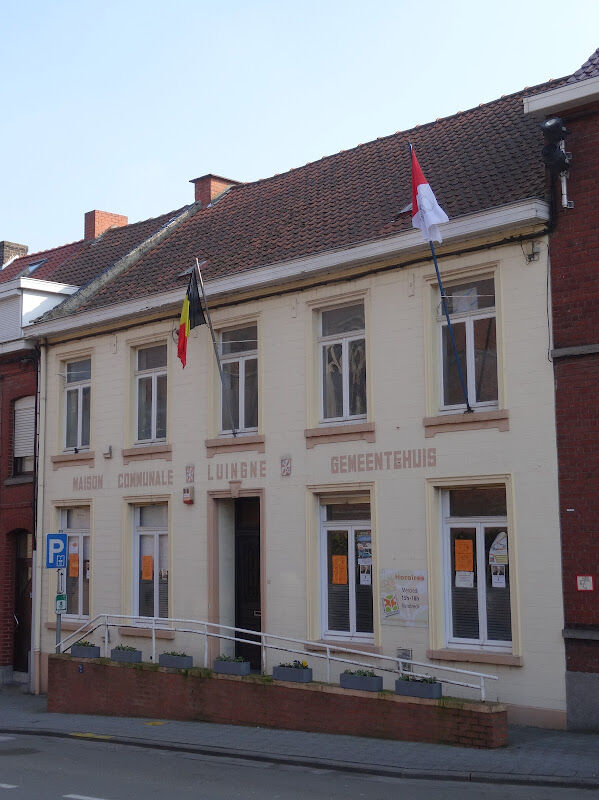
{"x": 266, "y": 641}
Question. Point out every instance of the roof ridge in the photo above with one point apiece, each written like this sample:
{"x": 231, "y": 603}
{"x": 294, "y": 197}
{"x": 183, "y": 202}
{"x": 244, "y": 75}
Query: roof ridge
{"x": 49, "y": 250}
{"x": 418, "y": 127}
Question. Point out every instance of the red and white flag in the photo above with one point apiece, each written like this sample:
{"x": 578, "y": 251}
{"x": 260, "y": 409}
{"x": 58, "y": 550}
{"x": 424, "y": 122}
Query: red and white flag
{"x": 427, "y": 214}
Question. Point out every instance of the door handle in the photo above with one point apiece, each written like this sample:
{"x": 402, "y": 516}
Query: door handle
{"x": 257, "y": 613}
{"x": 16, "y": 619}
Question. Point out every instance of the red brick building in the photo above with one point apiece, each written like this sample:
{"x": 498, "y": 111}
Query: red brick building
{"x": 575, "y": 307}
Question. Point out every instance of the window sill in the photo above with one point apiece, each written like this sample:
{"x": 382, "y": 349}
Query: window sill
{"x": 235, "y": 444}
{"x": 146, "y": 633}
{"x": 331, "y": 434}
{"x": 68, "y": 625}
{"x": 85, "y": 457}
{"x": 337, "y": 645}
{"x": 147, "y": 452}
{"x": 466, "y": 422}
{"x": 475, "y": 657}
{"x": 18, "y": 479}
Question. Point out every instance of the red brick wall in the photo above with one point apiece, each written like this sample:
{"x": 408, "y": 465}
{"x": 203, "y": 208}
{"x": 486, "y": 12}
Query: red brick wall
{"x": 575, "y": 298}
{"x": 17, "y": 379}
{"x": 147, "y": 691}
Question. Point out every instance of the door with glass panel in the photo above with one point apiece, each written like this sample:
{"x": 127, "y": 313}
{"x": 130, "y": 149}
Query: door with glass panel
{"x": 346, "y": 582}
{"x": 151, "y": 560}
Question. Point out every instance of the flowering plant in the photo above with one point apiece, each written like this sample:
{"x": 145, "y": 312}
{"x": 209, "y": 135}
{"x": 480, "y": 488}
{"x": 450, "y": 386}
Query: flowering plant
{"x": 362, "y": 673}
{"x": 296, "y": 664}
{"x": 229, "y": 658}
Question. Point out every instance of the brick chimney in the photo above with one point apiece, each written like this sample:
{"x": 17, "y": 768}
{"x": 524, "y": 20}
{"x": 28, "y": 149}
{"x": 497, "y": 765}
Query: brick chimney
{"x": 10, "y": 250}
{"x": 209, "y": 187}
{"x": 96, "y": 222}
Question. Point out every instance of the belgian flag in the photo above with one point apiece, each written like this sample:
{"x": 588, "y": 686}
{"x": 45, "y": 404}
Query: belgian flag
{"x": 192, "y": 314}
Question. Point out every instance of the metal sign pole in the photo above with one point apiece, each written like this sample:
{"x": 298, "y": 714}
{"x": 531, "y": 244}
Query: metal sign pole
{"x": 60, "y": 581}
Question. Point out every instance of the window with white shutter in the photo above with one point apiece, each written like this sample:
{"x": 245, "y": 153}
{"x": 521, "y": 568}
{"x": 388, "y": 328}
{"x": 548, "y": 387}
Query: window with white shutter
{"x": 24, "y": 436}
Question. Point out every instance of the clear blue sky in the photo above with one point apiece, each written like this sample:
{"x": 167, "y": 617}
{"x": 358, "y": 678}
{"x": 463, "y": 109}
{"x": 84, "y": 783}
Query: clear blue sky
{"x": 117, "y": 105}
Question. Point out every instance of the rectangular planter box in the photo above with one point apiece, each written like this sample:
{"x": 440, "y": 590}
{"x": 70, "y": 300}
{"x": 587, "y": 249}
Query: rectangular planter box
{"x": 432, "y": 691}
{"x": 82, "y": 651}
{"x": 176, "y": 662}
{"x": 361, "y": 682}
{"x": 232, "y": 667}
{"x": 292, "y": 674}
{"x": 127, "y": 656}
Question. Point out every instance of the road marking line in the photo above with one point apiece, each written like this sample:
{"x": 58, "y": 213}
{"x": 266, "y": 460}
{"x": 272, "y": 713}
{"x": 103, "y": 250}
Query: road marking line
{"x": 8, "y": 786}
{"x": 6, "y": 738}
{"x": 155, "y": 722}
{"x": 81, "y": 797}
{"x": 90, "y": 736}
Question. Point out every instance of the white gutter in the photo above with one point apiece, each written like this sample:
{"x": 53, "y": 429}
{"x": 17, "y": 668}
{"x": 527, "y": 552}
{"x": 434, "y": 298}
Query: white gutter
{"x": 562, "y": 98}
{"x": 521, "y": 214}
{"x": 52, "y": 287}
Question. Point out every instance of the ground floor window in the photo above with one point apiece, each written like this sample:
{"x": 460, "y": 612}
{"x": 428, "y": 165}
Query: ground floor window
{"x": 477, "y": 568}
{"x": 75, "y": 523}
{"x": 150, "y": 560}
{"x": 346, "y": 571}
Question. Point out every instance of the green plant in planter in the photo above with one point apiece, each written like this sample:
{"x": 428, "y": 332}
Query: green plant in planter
{"x": 296, "y": 665}
{"x": 126, "y": 647}
{"x": 361, "y": 673}
{"x": 175, "y": 653}
{"x": 84, "y": 643}
{"x": 237, "y": 659}
{"x": 418, "y": 679}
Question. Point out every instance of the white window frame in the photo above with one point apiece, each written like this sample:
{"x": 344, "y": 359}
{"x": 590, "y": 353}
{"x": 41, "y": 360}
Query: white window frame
{"x": 469, "y": 318}
{"x": 479, "y": 523}
{"x": 351, "y": 526}
{"x": 81, "y": 534}
{"x": 138, "y": 532}
{"x": 23, "y": 438}
{"x": 154, "y": 373}
{"x": 241, "y": 358}
{"x": 344, "y": 340}
{"x": 77, "y": 386}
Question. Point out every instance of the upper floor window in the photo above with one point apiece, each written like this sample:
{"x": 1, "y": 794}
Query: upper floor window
{"x": 150, "y": 377}
{"x": 342, "y": 345}
{"x": 77, "y": 403}
{"x": 471, "y": 308}
{"x": 24, "y": 436}
{"x": 239, "y": 359}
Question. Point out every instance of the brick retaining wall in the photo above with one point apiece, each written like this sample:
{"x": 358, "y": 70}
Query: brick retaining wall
{"x": 146, "y": 690}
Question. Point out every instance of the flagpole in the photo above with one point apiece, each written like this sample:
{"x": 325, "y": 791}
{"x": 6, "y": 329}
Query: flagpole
{"x": 216, "y": 353}
{"x": 450, "y": 328}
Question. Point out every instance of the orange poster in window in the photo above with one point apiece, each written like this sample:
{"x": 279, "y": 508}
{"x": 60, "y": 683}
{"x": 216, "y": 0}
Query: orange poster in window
{"x": 73, "y": 565}
{"x": 464, "y": 555}
{"x": 147, "y": 568}
{"x": 339, "y": 569}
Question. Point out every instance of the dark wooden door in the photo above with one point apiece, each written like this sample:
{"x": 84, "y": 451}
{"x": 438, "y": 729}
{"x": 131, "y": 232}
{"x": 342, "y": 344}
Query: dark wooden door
{"x": 22, "y": 614}
{"x": 247, "y": 576}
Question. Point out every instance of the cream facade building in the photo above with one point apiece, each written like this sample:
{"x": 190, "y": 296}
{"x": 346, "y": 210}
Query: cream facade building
{"x": 357, "y": 504}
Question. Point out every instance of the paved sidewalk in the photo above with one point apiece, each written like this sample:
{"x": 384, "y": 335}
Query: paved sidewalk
{"x": 533, "y": 756}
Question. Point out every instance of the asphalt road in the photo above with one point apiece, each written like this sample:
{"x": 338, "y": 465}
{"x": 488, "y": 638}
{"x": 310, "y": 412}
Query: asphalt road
{"x": 33, "y": 767}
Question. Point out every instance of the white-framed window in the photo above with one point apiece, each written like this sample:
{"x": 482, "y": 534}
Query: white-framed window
{"x": 471, "y": 307}
{"x": 75, "y": 523}
{"x": 24, "y": 436}
{"x": 342, "y": 346}
{"x": 150, "y": 381}
{"x": 346, "y": 571}
{"x": 476, "y": 568}
{"x": 150, "y": 560}
{"x": 77, "y": 403}
{"x": 239, "y": 394}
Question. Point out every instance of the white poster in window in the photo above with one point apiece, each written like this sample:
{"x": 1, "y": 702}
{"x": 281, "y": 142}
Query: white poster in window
{"x": 498, "y": 550}
{"x": 365, "y": 575}
{"x": 464, "y": 580}
{"x": 498, "y": 576}
{"x": 404, "y": 597}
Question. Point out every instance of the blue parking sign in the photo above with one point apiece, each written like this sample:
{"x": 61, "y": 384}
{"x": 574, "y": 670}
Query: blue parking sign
{"x": 56, "y": 550}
